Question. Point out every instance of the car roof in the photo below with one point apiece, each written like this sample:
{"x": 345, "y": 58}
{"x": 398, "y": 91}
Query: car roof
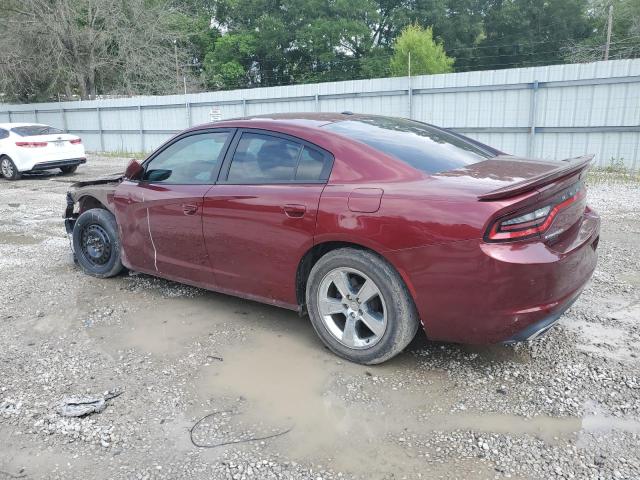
{"x": 302, "y": 119}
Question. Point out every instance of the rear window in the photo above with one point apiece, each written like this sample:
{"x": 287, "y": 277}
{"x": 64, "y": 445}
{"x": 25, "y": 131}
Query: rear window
{"x": 426, "y": 148}
{"x": 29, "y": 130}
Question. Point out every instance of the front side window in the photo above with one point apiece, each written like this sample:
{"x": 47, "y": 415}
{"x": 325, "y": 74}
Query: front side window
{"x": 30, "y": 130}
{"x": 424, "y": 147}
{"x": 192, "y": 160}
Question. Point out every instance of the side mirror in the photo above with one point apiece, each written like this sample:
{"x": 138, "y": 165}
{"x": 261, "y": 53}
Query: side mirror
{"x": 134, "y": 170}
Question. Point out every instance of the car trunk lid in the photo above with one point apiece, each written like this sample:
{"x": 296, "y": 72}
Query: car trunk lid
{"x": 530, "y": 198}
{"x": 52, "y": 147}
{"x": 538, "y": 174}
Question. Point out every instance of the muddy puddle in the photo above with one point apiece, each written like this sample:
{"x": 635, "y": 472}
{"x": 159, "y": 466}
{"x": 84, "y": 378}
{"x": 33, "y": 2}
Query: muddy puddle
{"x": 266, "y": 365}
{"x": 286, "y": 381}
{"x": 165, "y": 328}
{"x": 605, "y": 340}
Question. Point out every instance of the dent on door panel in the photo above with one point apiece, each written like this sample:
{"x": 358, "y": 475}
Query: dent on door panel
{"x": 132, "y": 218}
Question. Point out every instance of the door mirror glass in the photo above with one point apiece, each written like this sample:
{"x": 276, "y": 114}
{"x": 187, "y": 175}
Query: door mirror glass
{"x": 157, "y": 175}
{"x": 133, "y": 171}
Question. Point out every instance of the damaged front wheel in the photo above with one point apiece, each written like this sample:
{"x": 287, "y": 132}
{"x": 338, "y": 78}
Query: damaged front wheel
{"x": 96, "y": 243}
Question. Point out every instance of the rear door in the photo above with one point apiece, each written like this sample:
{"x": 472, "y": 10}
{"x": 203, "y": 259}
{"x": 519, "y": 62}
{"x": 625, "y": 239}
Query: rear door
{"x": 260, "y": 217}
{"x": 166, "y": 207}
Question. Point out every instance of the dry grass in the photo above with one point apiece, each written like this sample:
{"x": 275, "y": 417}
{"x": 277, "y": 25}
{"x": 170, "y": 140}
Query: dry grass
{"x": 614, "y": 173}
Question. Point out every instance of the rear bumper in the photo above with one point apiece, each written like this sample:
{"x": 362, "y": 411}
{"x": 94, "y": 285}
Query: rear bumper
{"x": 542, "y": 326}
{"x": 57, "y": 164}
{"x": 481, "y": 293}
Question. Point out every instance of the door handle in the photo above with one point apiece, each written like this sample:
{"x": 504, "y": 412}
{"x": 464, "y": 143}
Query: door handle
{"x": 294, "y": 210}
{"x": 189, "y": 208}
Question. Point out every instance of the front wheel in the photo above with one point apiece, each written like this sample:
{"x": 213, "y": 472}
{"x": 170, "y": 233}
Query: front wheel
{"x": 9, "y": 169}
{"x": 360, "y": 307}
{"x": 96, "y": 243}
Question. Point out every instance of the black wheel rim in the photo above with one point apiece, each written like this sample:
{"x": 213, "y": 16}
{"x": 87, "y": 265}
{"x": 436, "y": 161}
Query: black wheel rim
{"x": 96, "y": 245}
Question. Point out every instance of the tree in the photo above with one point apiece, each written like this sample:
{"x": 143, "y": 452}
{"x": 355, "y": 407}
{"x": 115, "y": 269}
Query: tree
{"x": 521, "y": 33}
{"x": 427, "y": 56}
{"x": 625, "y": 34}
{"x": 229, "y": 63}
{"x": 86, "y": 47}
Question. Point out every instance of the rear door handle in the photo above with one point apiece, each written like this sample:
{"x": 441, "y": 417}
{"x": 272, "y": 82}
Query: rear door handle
{"x": 294, "y": 210}
{"x": 189, "y": 208}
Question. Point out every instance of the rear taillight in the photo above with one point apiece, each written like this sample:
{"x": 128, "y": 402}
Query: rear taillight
{"x": 31, "y": 144}
{"x": 75, "y": 141}
{"x": 535, "y": 222}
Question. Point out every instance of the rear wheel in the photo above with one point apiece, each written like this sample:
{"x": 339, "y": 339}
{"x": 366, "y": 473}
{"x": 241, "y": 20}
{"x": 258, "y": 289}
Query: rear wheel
{"x": 69, "y": 170}
{"x": 360, "y": 307}
{"x": 8, "y": 168}
{"x": 96, "y": 243}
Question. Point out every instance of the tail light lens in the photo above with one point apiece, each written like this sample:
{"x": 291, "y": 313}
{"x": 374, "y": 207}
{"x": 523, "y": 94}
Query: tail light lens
{"x": 534, "y": 222}
{"x": 75, "y": 141}
{"x": 31, "y": 144}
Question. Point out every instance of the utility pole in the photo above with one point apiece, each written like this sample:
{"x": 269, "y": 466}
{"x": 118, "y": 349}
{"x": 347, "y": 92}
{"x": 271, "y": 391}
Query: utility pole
{"x": 609, "y": 24}
{"x": 175, "y": 50}
{"x": 410, "y": 90}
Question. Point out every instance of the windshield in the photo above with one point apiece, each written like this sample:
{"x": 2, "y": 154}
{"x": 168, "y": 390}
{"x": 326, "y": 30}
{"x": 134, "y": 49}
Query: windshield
{"x": 424, "y": 147}
{"x": 30, "y": 130}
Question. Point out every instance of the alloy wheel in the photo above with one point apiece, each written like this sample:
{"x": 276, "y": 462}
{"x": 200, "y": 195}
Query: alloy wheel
{"x": 7, "y": 168}
{"x": 352, "y": 308}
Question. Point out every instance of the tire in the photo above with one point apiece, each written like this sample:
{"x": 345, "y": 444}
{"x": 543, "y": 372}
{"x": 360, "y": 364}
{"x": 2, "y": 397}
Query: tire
{"x": 390, "y": 312}
{"x": 8, "y": 169}
{"x": 96, "y": 243}
{"x": 69, "y": 170}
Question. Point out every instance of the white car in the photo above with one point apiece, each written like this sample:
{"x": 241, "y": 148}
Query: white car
{"x": 33, "y": 147}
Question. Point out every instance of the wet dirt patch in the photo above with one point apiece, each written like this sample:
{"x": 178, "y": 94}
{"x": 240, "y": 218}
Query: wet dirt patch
{"x": 286, "y": 382}
{"x": 9, "y": 238}
{"x": 609, "y": 341}
{"x": 164, "y": 328}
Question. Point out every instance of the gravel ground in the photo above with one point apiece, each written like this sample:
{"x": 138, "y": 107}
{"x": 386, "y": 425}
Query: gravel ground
{"x": 565, "y": 406}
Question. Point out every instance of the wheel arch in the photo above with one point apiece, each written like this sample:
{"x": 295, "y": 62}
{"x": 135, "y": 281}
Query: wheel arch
{"x": 317, "y": 251}
{"x": 88, "y": 202}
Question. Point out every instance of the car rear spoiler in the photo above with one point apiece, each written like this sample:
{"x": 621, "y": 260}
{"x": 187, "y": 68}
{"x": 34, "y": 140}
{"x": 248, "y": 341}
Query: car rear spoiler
{"x": 573, "y": 165}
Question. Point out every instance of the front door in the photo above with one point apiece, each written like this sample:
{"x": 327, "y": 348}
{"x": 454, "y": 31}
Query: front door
{"x": 167, "y": 203}
{"x": 260, "y": 217}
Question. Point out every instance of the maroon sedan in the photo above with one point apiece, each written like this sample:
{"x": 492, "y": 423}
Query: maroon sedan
{"x": 372, "y": 225}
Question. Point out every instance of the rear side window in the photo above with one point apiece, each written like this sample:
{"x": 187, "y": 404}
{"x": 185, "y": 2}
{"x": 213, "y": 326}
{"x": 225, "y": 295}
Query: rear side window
{"x": 314, "y": 165}
{"x": 29, "y": 130}
{"x": 261, "y": 158}
{"x": 3, "y": 133}
{"x": 426, "y": 148}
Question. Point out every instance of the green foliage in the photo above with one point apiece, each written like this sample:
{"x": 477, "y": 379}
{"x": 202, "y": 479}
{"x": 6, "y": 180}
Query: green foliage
{"x": 530, "y": 32}
{"x": 625, "y": 34}
{"x": 228, "y": 64}
{"x": 376, "y": 63}
{"x": 427, "y": 56}
{"x": 96, "y": 47}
